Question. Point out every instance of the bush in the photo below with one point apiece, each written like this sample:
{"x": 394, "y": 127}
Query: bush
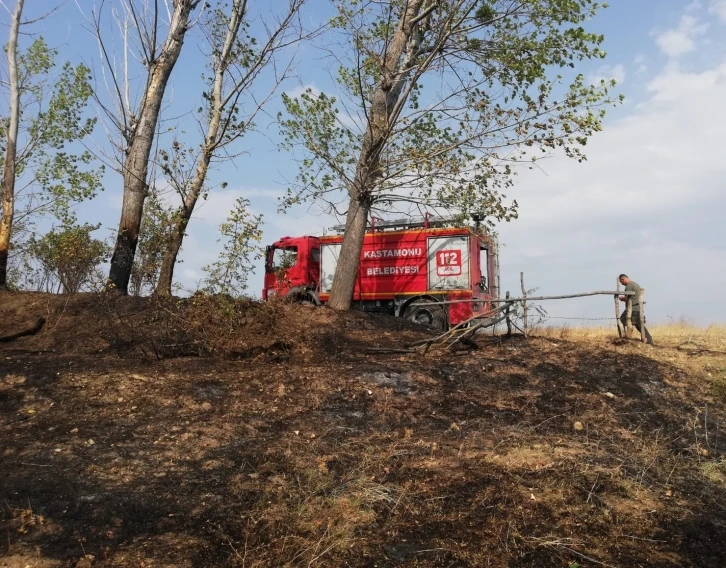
{"x": 69, "y": 256}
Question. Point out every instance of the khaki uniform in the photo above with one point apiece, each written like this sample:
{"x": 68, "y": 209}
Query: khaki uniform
{"x": 635, "y": 317}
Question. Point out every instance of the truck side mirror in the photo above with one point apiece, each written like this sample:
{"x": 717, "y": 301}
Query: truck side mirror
{"x": 483, "y": 284}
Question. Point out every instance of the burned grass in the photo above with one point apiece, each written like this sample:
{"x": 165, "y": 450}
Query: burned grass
{"x": 280, "y": 442}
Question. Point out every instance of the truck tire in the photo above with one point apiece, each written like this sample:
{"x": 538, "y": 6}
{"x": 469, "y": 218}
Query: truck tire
{"x": 304, "y": 296}
{"x": 431, "y": 316}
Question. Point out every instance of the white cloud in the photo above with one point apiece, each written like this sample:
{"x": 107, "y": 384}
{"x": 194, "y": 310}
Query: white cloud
{"x": 640, "y": 65}
{"x": 718, "y": 9}
{"x": 302, "y": 89}
{"x": 681, "y": 40}
{"x": 607, "y": 73}
{"x": 215, "y": 209}
{"x": 674, "y": 85}
{"x": 647, "y": 202}
{"x": 263, "y": 193}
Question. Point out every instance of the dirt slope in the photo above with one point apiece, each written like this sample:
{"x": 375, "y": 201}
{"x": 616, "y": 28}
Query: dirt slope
{"x": 281, "y": 442}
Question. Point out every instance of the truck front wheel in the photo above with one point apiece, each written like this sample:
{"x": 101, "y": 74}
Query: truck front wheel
{"x": 422, "y": 311}
{"x": 303, "y": 296}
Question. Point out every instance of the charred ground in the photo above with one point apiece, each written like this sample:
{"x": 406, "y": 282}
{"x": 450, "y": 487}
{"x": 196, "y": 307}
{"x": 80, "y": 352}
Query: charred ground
{"x": 206, "y": 432}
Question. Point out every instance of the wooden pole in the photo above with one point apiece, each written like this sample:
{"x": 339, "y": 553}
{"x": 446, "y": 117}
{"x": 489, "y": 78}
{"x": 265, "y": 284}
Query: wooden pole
{"x": 509, "y": 322}
{"x": 629, "y": 318}
{"x": 617, "y": 308}
{"x": 530, "y": 298}
{"x": 524, "y": 302}
{"x": 642, "y": 316}
{"x": 563, "y": 297}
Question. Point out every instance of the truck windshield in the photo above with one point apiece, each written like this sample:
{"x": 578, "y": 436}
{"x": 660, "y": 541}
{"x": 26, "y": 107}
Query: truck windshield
{"x": 283, "y": 258}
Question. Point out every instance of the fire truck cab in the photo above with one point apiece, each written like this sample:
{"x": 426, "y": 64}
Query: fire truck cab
{"x": 407, "y": 269}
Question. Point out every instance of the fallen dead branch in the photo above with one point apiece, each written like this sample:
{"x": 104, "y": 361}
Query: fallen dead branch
{"x": 460, "y": 334}
{"x": 37, "y": 326}
{"x": 382, "y": 350}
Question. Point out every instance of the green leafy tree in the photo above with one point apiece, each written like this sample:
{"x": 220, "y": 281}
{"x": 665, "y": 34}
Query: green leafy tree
{"x": 41, "y": 173}
{"x": 68, "y": 257}
{"x": 241, "y": 235}
{"x": 439, "y": 98}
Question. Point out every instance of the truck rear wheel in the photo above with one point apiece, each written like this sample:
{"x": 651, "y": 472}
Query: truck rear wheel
{"x": 421, "y": 311}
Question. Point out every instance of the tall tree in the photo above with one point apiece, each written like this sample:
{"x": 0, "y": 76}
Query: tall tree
{"x": 137, "y": 123}
{"x": 41, "y": 172}
{"x": 442, "y": 96}
{"x": 237, "y": 61}
{"x": 11, "y": 140}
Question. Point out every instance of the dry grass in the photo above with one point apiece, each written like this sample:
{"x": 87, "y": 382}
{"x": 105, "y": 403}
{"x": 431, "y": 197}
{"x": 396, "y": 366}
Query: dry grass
{"x": 712, "y": 337}
{"x": 680, "y": 334}
{"x": 22, "y": 520}
{"x": 316, "y": 513}
{"x": 697, "y": 350}
{"x": 715, "y": 470}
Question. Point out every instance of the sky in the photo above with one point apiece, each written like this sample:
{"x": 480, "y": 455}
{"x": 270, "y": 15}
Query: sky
{"x": 648, "y": 201}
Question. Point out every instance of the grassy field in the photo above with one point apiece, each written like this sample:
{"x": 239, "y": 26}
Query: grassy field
{"x": 677, "y": 334}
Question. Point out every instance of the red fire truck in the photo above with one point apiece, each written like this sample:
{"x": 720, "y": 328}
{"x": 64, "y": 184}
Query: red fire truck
{"x": 407, "y": 268}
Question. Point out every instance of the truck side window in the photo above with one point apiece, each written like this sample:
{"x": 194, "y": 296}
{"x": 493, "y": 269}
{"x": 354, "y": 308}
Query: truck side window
{"x": 284, "y": 258}
{"x": 315, "y": 255}
{"x": 483, "y": 268}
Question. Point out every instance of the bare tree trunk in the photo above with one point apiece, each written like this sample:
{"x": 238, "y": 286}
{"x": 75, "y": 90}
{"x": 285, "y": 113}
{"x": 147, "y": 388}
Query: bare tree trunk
{"x": 346, "y": 271}
{"x": 184, "y": 214}
{"x": 396, "y": 68}
{"x": 136, "y": 164}
{"x": 8, "y": 187}
{"x": 168, "y": 262}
